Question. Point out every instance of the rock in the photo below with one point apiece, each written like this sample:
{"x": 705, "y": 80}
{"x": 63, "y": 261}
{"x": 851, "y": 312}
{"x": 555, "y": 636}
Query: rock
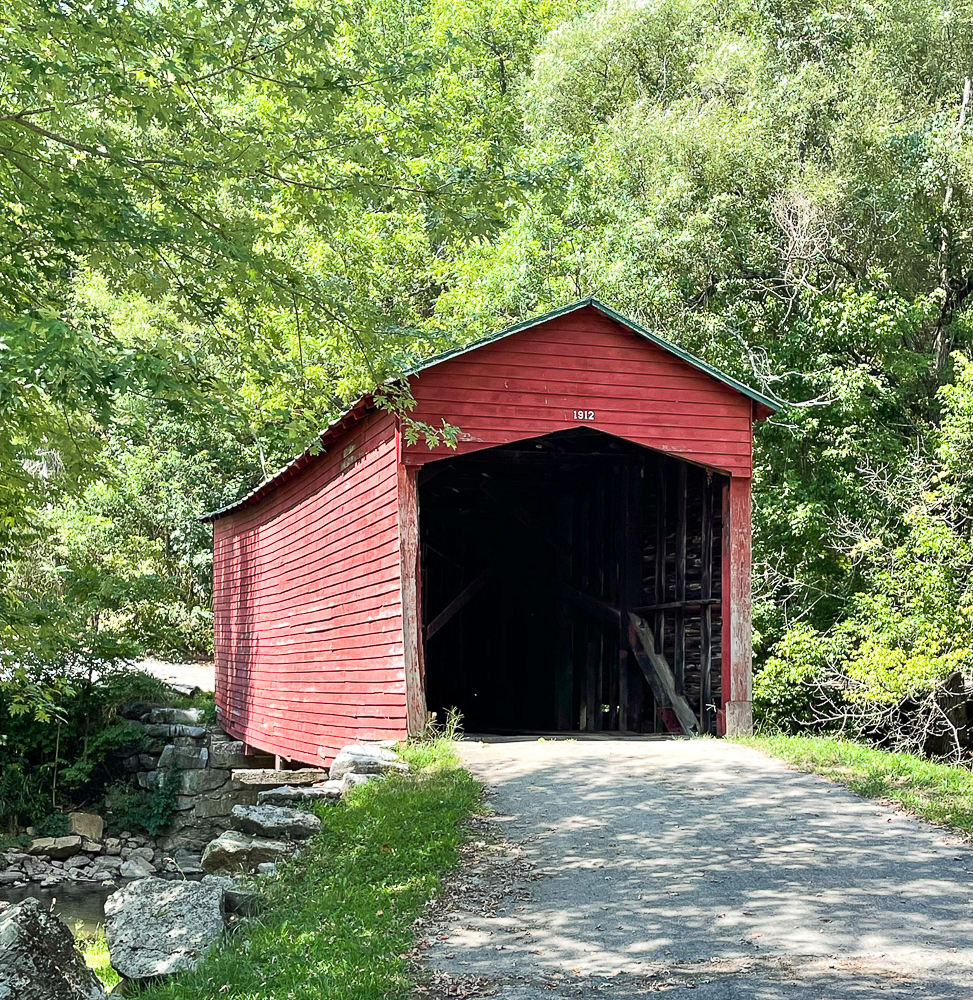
{"x": 264, "y": 777}
{"x": 230, "y": 755}
{"x": 89, "y": 825}
{"x": 175, "y": 716}
{"x": 38, "y": 959}
{"x": 136, "y": 868}
{"x": 75, "y": 863}
{"x": 184, "y": 757}
{"x": 146, "y": 853}
{"x": 267, "y": 868}
{"x": 364, "y": 759}
{"x": 233, "y": 851}
{"x": 56, "y": 847}
{"x": 285, "y": 795}
{"x": 9, "y": 877}
{"x": 104, "y": 866}
{"x": 241, "y": 903}
{"x": 221, "y": 805}
{"x": 187, "y": 863}
{"x": 193, "y": 782}
{"x": 92, "y": 847}
{"x": 113, "y": 845}
{"x": 278, "y": 822}
{"x": 352, "y": 780}
{"x": 169, "y": 732}
{"x": 157, "y": 927}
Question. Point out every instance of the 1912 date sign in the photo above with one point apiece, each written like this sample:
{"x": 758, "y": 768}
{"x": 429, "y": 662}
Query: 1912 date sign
{"x": 584, "y": 414}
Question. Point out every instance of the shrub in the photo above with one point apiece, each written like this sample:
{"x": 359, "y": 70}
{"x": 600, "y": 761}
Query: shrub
{"x": 145, "y": 809}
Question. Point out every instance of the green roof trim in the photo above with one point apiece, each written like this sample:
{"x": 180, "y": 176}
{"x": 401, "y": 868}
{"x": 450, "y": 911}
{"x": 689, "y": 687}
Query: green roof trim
{"x": 641, "y": 331}
{"x": 300, "y": 461}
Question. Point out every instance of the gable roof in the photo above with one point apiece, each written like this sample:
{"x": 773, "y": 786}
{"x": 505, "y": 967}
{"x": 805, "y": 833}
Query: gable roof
{"x": 364, "y": 404}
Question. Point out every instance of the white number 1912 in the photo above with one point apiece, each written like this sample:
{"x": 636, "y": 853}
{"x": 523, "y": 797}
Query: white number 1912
{"x": 584, "y": 414}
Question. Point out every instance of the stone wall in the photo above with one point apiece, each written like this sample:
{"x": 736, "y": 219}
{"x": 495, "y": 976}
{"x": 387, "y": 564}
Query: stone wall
{"x": 203, "y": 759}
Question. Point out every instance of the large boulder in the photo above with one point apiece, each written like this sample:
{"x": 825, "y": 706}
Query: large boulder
{"x": 56, "y": 847}
{"x": 275, "y": 822}
{"x": 156, "y": 927}
{"x": 233, "y": 851}
{"x": 38, "y": 959}
{"x": 89, "y": 826}
{"x": 287, "y": 795}
{"x": 363, "y": 758}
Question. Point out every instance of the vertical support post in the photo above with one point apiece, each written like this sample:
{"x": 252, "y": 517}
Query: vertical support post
{"x": 679, "y": 629}
{"x": 412, "y": 652}
{"x": 737, "y": 641}
{"x": 706, "y": 616}
{"x": 629, "y": 593}
{"x": 564, "y": 651}
{"x": 661, "y": 535}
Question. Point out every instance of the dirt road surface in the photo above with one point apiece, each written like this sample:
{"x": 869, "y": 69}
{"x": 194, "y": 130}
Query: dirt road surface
{"x": 701, "y": 869}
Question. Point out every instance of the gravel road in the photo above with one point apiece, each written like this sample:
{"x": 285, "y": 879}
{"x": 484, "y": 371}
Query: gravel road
{"x": 699, "y": 868}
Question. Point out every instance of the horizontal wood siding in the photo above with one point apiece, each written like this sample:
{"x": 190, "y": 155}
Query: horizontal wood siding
{"x": 531, "y": 383}
{"x": 308, "y": 607}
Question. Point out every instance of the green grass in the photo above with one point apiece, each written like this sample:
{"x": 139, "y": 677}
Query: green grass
{"x": 94, "y": 948}
{"x": 338, "y": 920}
{"x": 940, "y": 793}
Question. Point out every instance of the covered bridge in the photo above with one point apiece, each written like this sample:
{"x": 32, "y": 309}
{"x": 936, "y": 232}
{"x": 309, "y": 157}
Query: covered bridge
{"x": 579, "y": 562}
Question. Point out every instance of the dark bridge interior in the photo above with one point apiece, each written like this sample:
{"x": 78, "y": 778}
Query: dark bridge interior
{"x": 572, "y": 582}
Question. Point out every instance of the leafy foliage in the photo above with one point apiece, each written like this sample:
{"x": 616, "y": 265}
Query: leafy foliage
{"x": 225, "y": 221}
{"x": 148, "y": 809}
{"x": 59, "y": 731}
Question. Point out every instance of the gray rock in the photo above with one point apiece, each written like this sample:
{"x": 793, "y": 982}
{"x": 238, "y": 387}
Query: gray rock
{"x": 113, "y": 845}
{"x": 157, "y": 927}
{"x": 275, "y": 822}
{"x": 221, "y": 805}
{"x": 362, "y": 758}
{"x": 103, "y": 866}
{"x": 136, "y": 868}
{"x": 184, "y": 757}
{"x": 241, "y": 903}
{"x": 169, "y": 732}
{"x": 91, "y": 846}
{"x": 353, "y": 779}
{"x": 233, "y": 851}
{"x": 56, "y": 847}
{"x": 263, "y": 777}
{"x": 145, "y": 853}
{"x": 9, "y": 877}
{"x": 285, "y": 795}
{"x": 193, "y": 782}
{"x": 88, "y": 825}
{"x": 175, "y": 716}
{"x": 38, "y": 959}
{"x": 229, "y": 755}
{"x": 268, "y": 868}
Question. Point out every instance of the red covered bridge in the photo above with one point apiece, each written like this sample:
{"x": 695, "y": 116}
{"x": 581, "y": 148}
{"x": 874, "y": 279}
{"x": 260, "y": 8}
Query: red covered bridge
{"x": 580, "y": 561}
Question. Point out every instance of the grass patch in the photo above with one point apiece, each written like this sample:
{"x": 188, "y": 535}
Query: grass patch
{"x": 94, "y": 949}
{"x": 940, "y": 793}
{"x": 338, "y": 920}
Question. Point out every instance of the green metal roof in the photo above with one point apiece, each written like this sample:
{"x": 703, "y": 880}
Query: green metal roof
{"x": 362, "y": 403}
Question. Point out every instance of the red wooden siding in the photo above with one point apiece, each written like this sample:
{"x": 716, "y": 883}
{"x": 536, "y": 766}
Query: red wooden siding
{"x": 308, "y": 604}
{"x": 530, "y": 384}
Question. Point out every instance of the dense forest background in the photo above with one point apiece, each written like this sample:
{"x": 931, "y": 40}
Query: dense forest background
{"x": 223, "y": 221}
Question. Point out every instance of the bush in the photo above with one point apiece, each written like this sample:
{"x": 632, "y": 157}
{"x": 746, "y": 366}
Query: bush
{"x": 144, "y": 809}
{"x": 788, "y": 692}
{"x": 60, "y": 733}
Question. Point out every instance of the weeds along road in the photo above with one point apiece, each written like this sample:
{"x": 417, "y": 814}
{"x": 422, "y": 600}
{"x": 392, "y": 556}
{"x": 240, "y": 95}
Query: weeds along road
{"x": 698, "y": 868}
